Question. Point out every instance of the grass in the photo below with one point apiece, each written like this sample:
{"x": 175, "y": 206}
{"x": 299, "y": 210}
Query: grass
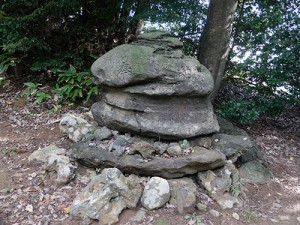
{"x": 250, "y": 215}
{"x": 237, "y": 188}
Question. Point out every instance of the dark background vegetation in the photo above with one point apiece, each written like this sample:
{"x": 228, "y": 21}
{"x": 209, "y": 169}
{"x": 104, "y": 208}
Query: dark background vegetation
{"x": 54, "y": 42}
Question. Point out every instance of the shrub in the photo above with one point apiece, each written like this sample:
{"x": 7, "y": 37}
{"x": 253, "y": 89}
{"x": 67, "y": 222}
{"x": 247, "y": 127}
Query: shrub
{"x": 72, "y": 85}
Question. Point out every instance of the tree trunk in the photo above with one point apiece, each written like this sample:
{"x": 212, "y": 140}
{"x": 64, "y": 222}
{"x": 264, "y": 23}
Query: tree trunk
{"x": 215, "y": 39}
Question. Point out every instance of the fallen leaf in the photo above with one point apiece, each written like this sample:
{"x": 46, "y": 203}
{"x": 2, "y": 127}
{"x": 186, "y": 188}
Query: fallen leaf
{"x": 67, "y": 210}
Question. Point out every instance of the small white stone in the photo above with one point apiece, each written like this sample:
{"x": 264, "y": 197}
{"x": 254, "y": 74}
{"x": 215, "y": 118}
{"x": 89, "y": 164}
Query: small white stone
{"x": 29, "y": 208}
{"x": 235, "y": 216}
{"x": 284, "y": 218}
{"x": 274, "y": 221}
{"x": 276, "y": 205}
{"x": 298, "y": 218}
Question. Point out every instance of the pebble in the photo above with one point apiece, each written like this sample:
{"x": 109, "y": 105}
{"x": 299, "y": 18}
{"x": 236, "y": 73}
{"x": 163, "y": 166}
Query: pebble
{"x": 201, "y": 207}
{"x": 274, "y": 221}
{"x": 236, "y": 216}
{"x": 283, "y": 218}
{"x": 276, "y": 205}
{"x": 214, "y": 213}
{"x": 298, "y": 218}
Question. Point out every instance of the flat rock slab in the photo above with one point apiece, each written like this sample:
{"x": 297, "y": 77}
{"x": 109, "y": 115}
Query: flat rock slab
{"x": 98, "y": 157}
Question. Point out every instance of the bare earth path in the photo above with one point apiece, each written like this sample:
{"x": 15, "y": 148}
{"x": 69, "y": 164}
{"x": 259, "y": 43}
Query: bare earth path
{"x": 28, "y": 197}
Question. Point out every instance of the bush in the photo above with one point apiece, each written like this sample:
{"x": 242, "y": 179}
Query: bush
{"x": 72, "y": 85}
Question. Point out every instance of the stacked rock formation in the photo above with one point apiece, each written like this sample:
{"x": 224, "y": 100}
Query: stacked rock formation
{"x": 151, "y": 88}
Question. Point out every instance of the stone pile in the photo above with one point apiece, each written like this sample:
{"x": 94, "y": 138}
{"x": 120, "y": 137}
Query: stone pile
{"x": 209, "y": 158}
{"x": 151, "y": 88}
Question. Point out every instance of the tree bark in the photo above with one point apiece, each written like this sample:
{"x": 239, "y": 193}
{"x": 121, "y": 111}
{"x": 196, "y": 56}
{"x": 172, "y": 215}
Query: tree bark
{"x": 215, "y": 39}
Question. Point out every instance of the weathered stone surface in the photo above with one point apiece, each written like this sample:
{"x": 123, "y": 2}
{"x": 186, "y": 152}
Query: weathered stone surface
{"x": 102, "y": 133}
{"x": 218, "y": 183}
{"x": 205, "y": 141}
{"x": 214, "y": 213}
{"x": 106, "y": 196}
{"x": 255, "y": 172}
{"x": 160, "y": 147}
{"x": 119, "y": 145}
{"x": 43, "y": 154}
{"x": 163, "y": 221}
{"x": 226, "y": 127}
{"x": 226, "y": 201}
{"x": 183, "y": 194}
{"x": 156, "y": 193}
{"x": 201, "y": 207}
{"x": 174, "y": 149}
{"x": 56, "y": 162}
{"x": 99, "y": 157}
{"x": 139, "y": 216}
{"x": 76, "y": 127}
{"x": 152, "y": 89}
{"x": 144, "y": 148}
{"x": 232, "y": 146}
{"x": 61, "y": 165}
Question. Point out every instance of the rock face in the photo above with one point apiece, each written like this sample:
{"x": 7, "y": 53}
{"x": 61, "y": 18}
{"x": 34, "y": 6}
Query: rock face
{"x": 156, "y": 193}
{"x": 99, "y": 157}
{"x": 106, "y": 196}
{"x": 151, "y": 88}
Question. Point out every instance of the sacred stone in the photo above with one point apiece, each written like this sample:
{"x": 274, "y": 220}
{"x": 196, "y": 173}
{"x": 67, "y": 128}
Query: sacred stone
{"x": 151, "y": 88}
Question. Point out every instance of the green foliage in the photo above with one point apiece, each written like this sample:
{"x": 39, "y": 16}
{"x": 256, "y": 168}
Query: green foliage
{"x": 4, "y": 82}
{"x": 6, "y": 61}
{"x": 72, "y": 85}
{"x": 196, "y": 219}
{"x": 8, "y": 153}
{"x": 237, "y": 188}
{"x": 266, "y": 51}
{"x": 41, "y": 96}
{"x": 56, "y": 108}
{"x": 241, "y": 110}
{"x": 250, "y": 215}
{"x": 31, "y": 88}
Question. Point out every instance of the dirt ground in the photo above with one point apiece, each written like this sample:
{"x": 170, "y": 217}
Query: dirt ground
{"x": 27, "y": 195}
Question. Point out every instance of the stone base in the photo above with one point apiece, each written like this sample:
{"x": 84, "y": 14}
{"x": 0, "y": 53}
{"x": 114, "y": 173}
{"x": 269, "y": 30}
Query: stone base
{"x": 156, "y": 116}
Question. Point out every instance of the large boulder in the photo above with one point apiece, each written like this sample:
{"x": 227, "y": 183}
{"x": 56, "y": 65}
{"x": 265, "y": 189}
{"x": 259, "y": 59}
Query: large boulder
{"x": 151, "y": 88}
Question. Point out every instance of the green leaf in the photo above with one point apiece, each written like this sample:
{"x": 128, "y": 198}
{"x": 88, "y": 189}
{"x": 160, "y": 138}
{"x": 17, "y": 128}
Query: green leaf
{"x": 72, "y": 69}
